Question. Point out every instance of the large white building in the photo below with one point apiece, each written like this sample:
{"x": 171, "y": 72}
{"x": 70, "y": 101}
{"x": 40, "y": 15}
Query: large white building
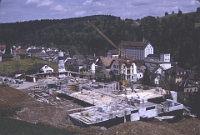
{"x": 162, "y": 60}
{"x": 137, "y": 50}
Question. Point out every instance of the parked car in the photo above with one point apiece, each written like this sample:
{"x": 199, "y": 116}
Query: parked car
{"x": 19, "y": 81}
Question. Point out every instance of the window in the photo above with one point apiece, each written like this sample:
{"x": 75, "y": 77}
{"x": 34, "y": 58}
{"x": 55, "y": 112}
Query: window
{"x": 135, "y": 111}
{"x": 150, "y": 108}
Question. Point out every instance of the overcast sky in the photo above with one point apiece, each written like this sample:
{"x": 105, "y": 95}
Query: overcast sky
{"x": 25, "y": 10}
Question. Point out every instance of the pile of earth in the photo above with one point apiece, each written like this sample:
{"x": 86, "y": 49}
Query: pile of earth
{"x": 12, "y": 98}
{"x": 186, "y": 126}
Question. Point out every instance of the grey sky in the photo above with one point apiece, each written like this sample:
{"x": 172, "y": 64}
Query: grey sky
{"x": 25, "y": 10}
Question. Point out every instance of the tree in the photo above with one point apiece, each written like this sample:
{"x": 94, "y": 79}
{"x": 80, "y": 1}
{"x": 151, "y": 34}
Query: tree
{"x": 102, "y": 75}
{"x": 179, "y": 13}
{"x": 146, "y": 79}
{"x": 99, "y": 74}
{"x": 198, "y": 10}
{"x": 8, "y": 49}
{"x": 194, "y": 101}
{"x": 166, "y": 13}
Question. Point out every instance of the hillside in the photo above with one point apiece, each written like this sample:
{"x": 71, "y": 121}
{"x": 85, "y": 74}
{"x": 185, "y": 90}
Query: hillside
{"x": 9, "y": 67}
{"x": 175, "y": 34}
{"x": 193, "y": 15}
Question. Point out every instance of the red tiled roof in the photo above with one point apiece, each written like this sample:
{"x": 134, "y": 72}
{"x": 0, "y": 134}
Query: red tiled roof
{"x": 20, "y": 51}
{"x": 176, "y": 68}
{"x": 107, "y": 61}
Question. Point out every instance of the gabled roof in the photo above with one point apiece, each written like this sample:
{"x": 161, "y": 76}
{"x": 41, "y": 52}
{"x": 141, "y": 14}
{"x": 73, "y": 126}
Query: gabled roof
{"x": 176, "y": 69}
{"x": 106, "y": 61}
{"x": 20, "y": 51}
{"x": 2, "y": 47}
{"x": 35, "y": 50}
{"x": 78, "y": 56}
{"x": 80, "y": 62}
{"x": 71, "y": 62}
{"x": 153, "y": 56}
{"x": 133, "y": 45}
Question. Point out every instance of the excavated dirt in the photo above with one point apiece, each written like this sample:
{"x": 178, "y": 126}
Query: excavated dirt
{"x": 56, "y": 115}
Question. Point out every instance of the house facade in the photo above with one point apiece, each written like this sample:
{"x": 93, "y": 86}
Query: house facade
{"x": 137, "y": 50}
{"x": 128, "y": 68}
{"x": 2, "y": 49}
{"x": 46, "y": 69}
{"x": 176, "y": 74}
{"x": 154, "y": 60}
{"x": 43, "y": 68}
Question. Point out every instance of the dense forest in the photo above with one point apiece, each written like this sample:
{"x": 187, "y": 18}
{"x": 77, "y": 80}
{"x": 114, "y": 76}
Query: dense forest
{"x": 175, "y": 33}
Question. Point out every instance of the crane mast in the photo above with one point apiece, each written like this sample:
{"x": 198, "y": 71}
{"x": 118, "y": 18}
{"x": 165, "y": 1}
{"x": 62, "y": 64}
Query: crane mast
{"x": 122, "y": 81}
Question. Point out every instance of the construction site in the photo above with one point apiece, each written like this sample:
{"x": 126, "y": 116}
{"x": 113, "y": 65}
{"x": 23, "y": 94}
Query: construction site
{"x": 63, "y": 105}
{"x": 67, "y": 102}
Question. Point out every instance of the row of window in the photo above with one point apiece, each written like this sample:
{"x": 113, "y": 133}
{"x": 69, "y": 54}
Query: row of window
{"x": 191, "y": 90}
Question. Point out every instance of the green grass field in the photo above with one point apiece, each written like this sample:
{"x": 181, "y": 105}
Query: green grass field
{"x": 8, "y": 67}
{"x": 16, "y": 127}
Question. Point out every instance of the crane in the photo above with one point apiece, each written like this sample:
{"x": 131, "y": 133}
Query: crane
{"x": 166, "y": 87}
{"x": 122, "y": 81}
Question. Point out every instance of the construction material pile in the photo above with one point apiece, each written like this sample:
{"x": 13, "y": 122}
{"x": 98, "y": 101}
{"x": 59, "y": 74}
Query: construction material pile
{"x": 12, "y": 98}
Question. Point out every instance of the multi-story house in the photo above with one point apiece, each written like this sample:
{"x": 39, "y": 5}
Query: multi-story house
{"x": 128, "y": 68}
{"x": 136, "y": 50}
{"x": 2, "y": 49}
{"x": 158, "y": 60}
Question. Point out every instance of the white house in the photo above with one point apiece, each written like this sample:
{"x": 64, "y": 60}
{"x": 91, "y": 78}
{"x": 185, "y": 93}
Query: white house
{"x": 137, "y": 50}
{"x": 128, "y": 68}
{"x": 154, "y": 60}
{"x": 43, "y": 68}
{"x": 46, "y": 69}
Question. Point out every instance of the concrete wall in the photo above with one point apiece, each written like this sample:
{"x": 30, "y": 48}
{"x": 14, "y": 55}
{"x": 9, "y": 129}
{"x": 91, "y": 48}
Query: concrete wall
{"x": 135, "y": 117}
{"x": 143, "y": 112}
{"x": 166, "y": 66}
